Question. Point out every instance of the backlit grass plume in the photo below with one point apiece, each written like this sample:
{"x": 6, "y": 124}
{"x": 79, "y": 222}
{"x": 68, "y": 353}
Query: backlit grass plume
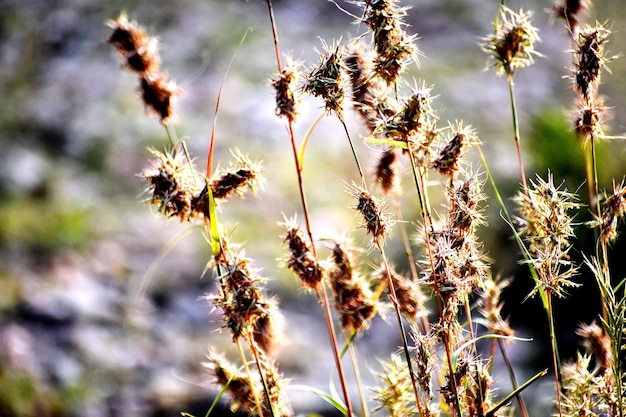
{"x": 512, "y": 46}
{"x": 546, "y": 225}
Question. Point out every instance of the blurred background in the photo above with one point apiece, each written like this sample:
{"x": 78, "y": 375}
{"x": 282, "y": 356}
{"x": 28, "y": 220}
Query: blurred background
{"x": 100, "y": 298}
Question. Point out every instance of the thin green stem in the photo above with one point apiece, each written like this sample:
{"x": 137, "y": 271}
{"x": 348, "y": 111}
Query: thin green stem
{"x": 556, "y": 362}
{"x": 509, "y": 367}
{"x": 516, "y": 134}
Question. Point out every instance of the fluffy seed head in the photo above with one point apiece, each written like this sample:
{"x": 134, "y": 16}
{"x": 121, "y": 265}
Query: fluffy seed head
{"x": 237, "y": 386}
{"x": 353, "y": 299}
{"x": 328, "y": 78}
{"x": 590, "y": 119}
{"x": 138, "y": 49}
{"x": 568, "y": 10}
{"x": 171, "y": 184}
{"x": 597, "y": 343}
{"x": 546, "y": 226}
{"x": 370, "y": 209}
{"x": 386, "y": 171}
{"x": 613, "y": 209}
{"x": 158, "y": 94}
{"x": 447, "y": 163}
{"x": 590, "y": 58}
{"x": 512, "y": 46}
{"x": 285, "y": 86}
{"x": 409, "y": 295}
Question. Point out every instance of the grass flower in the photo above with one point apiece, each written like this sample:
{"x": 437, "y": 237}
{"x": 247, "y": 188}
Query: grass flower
{"x": 139, "y": 50}
{"x": 393, "y": 46}
{"x": 285, "y": 84}
{"x": 244, "y": 306}
{"x": 374, "y": 220}
{"x": 409, "y": 295}
{"x": 590, "y": 58}
{"x": 447, "y": 162}
{"x": 327, "y": 80}
{"x": 354, "y": 300}
{"x": 301, "y": 260}
{"x": 568, "y": 10}
{"x": 171, "y": 184}
{"x": 545, "y": 224}
{"x": 395, "y": 393}
{"x": 512, "y": 46}
{"x": 613, "y": 209}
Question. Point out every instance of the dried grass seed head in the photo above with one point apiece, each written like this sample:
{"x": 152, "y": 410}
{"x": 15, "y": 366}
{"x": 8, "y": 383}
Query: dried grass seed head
{"x": 237, "y": 386}
{"x": 386, "y": 174}
{"x": 590, "y": 58}
{"x": 613, "y": 209}
{"x": 393, "y": 46}
{"x": 512, "y": 46}
{"x": 409, "y": 295}
{"x": 598, "y": 343}
{"x": 545, "y": 224}
{"x": 590, "y": 118}
{"x": 240, "y": 297}
{"x": 158, "y": 93}
{"x": 374, "y": 220}
{"x": 301, "y": 259}
{"x": 354, "y": 300}
{"x": 285, "y": 84}
{"x": 415, "y": 114}
{"x": 568, "y": 10}
{"x": 327, "y": 80}
{"x": 491, "y": 306}
{"x": 171, "y": 183}
{"x": 448, "y": 161}
{"x": 139, "y": 50}
{"x": 395, "y": 393}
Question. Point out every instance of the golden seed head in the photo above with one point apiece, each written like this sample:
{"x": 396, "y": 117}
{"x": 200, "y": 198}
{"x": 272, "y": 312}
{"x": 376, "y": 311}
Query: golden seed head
{"x": 546, "y": 226}
{"x": 512, "y": 46}
{"x": 597, "y": 343}
{"x": 395, "y": 393}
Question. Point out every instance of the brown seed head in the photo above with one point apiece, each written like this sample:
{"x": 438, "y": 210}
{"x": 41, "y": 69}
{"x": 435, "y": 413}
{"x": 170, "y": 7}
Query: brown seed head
{"x": 237, "y": 386}
{"x": 613, "y": 209}
{"x": 512, "y": 46}
{"x": 158, "y": 93}
{"x": 374, "y": 220}
{"x": 285, "y": 86}
{"x": 171, "y": 184}
{"x": 597, "y": 343}
{"x": 590, "y": 59}
{"x": 386, "y": 171}
{"x": 447, "y": 163}
{"x": 353, "y": 299}
{"x": 328, "y": 78}
{"x": 568, "y": 10}
{"x": 138, "y": 49}
{"x": 301, "y": 260}
{"x": 394, "y": 48}
{"x": 491, "y": 307}
{"x": 409, "y": 295}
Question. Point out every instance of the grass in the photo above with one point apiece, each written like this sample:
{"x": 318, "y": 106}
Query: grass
{"x": 448, "y": 298}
